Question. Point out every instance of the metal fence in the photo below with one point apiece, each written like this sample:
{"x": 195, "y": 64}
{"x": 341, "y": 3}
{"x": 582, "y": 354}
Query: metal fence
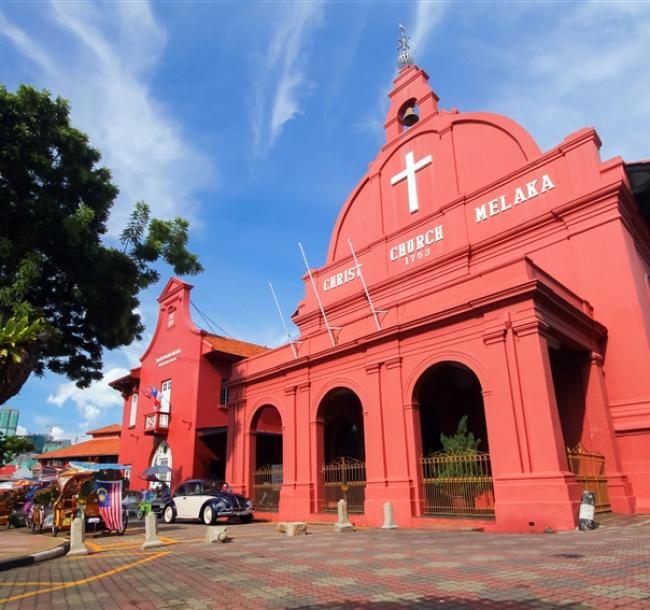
{"x": 267, "y": 483}
{"x": 589, "y": 470}
{"x": 344, "y": 479}
{"x": 457, "y": 485}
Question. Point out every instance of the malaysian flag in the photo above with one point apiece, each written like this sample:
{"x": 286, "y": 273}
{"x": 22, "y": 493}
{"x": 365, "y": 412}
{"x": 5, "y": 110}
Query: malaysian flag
{"x": 109, "y": 495}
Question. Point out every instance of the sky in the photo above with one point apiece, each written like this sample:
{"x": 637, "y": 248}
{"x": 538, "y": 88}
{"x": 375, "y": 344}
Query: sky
{"x": 255, "y": 120}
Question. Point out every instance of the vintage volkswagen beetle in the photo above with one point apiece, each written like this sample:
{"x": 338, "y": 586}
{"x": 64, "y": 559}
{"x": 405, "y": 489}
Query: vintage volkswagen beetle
{"x": 207, "y": 500}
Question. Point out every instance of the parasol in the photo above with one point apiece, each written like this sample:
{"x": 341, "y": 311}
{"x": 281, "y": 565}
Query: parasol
{"x": 152, "y": 473}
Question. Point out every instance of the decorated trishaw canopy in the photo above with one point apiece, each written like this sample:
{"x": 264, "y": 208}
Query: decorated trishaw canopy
{"x": 93, "y": 467}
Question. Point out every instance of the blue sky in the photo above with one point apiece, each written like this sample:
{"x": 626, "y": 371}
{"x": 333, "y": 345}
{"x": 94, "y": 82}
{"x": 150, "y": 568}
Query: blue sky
{"x": 255, "y": 120}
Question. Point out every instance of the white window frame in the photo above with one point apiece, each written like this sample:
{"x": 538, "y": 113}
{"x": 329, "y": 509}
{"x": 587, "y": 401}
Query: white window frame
{"x": 134, "y": 410}
{"x": 165, "y": 395}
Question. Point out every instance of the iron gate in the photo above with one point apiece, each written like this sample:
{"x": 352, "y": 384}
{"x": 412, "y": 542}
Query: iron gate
{"x": 589, "y": 470}
{"x": 344, "y": 479}
{"x": 457, "y": 485}
{"x": 267, "y": 482}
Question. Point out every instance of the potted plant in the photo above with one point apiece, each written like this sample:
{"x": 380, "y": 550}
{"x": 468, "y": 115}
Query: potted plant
{"x": 460, "y": 475}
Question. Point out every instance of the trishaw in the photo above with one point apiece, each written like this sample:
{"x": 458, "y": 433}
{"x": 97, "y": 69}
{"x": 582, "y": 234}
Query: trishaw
{"x": 11, "y": 503}
{"x": 40, "y": 515}
{"x": 75, "y": 494}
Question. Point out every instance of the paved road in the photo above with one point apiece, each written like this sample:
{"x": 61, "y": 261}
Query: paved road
{"x": 369, "y": 569}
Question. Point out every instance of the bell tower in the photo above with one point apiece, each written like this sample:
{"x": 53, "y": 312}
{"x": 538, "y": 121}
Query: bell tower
{"x": 411, "y": 100}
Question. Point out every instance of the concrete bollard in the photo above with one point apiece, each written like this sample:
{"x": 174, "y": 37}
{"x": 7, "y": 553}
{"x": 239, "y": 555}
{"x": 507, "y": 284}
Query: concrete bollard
{"x": 77, "y": 534}
{"x": 151, "y": 538}
{"x": 587, "y": 512}
{"x": 343, "y": 524}
{"x": 292, "y": 528}
{"x": 389, "y": 517}
{"x": 216, "y": 533}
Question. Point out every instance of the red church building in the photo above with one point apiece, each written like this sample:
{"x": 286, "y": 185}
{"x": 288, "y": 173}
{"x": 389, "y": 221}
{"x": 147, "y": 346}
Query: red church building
{"x": 471, "y": 278}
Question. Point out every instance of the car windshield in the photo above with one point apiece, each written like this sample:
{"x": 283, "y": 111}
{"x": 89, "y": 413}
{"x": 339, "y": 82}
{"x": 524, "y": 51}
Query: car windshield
{"x": 215, "y": 486}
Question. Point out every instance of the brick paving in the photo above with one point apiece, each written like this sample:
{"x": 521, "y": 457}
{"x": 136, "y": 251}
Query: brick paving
{"x": 369, "y": 569}
{"x": 15, "y": 543}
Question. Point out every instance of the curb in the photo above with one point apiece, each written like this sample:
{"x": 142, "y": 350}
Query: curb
{"x": 27, "y": 560}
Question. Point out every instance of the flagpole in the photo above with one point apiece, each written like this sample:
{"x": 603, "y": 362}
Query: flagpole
{"x": 286, "y": 329}
{"x": 365, "y": 287}
{"x": 313, "y": 284}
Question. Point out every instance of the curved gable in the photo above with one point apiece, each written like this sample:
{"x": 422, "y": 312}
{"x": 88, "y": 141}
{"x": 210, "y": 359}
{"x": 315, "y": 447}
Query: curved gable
{"x": 459, "y": 154}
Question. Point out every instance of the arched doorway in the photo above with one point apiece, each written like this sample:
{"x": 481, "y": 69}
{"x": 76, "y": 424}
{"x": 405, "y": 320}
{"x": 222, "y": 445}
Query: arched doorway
{"x": 455, "y": 462}
{"x": 266, "y": 458}
{"x": 162, "y": 456}
{"x": 343, "y": 450}
{"x": 570, "y": 370}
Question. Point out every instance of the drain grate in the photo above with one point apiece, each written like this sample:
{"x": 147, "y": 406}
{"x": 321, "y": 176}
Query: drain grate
{"x": 568, "y": 555}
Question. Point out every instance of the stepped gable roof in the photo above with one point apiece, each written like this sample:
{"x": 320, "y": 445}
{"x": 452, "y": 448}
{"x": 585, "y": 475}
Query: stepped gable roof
{"x": 126, "y": 384}
{"x": 111, "y": 429}
{"x": 233, "y": 347}
{"x": 94, "y": 447}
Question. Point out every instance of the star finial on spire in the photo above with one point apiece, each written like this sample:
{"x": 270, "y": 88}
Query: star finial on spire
{"x": 404, "y": 57}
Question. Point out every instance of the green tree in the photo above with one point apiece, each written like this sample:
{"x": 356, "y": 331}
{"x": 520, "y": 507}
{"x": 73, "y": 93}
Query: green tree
{"x": 74, "y": 295}
{"x": 11, "y": 446}
{"x": 461, "y": 442}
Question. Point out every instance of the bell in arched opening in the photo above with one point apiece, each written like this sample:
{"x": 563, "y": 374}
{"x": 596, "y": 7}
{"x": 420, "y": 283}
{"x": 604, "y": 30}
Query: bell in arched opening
{"x": 410, "y": 117}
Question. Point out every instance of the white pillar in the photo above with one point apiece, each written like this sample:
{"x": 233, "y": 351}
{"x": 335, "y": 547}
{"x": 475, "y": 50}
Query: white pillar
{"x": 77, "y": 546}
{"x": 343, "y": 524}
{"x": 151, "y": 538}
{"x": 389, "y": 519}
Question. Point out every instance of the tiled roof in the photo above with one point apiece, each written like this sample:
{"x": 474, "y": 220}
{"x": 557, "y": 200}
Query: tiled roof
{"x": 234, "y": 346}
{"x": 110, "y": 429}
{"x": 96, "y": 446}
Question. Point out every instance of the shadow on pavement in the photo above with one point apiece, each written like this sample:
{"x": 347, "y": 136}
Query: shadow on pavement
{"x": 447, "y": 603}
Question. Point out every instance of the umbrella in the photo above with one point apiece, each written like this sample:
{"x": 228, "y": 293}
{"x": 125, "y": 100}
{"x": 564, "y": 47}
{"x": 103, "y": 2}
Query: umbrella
{"x": 22, "y": 473}
{"x": 152, "y": 474}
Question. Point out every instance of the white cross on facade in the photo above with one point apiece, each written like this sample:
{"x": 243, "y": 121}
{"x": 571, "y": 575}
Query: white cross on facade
{"x": 409, "y": 174}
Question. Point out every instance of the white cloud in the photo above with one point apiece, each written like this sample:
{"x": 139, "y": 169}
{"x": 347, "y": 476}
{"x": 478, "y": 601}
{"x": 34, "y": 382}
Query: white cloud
{"x": 59, "y": 434}
{"x": 427, "y": 16}
{"x": 24, "y": 44}
{"x": 93, "y": 400}
{"x": 587, "y": 70}
{"x": 282, "y": 80}
{"x": 99, "y": 57}
{"x": 21, "y": 430}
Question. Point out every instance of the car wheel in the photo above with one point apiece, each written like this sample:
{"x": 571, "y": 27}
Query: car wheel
{"x": 208, "y": 515}
{"x": 168, "y": 515}
{"x": 246, "y": 518}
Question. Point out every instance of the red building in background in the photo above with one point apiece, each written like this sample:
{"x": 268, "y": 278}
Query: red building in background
{"x": 470, "y": 276}
{"x": 185, "y": 426}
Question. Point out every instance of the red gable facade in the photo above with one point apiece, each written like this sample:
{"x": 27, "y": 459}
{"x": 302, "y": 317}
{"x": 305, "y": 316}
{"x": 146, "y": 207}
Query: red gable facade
{"x": 471, "y": 279}
{"x": 173, "y": 410}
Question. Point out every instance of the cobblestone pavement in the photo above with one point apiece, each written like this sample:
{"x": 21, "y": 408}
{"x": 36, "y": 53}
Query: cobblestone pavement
{"x": 370, "y": 569}
{"x": 14, "y": 542}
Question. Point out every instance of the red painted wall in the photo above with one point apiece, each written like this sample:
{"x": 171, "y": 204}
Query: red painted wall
{"x": 512, "y": 252}
{"x": 176, "y": 353}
